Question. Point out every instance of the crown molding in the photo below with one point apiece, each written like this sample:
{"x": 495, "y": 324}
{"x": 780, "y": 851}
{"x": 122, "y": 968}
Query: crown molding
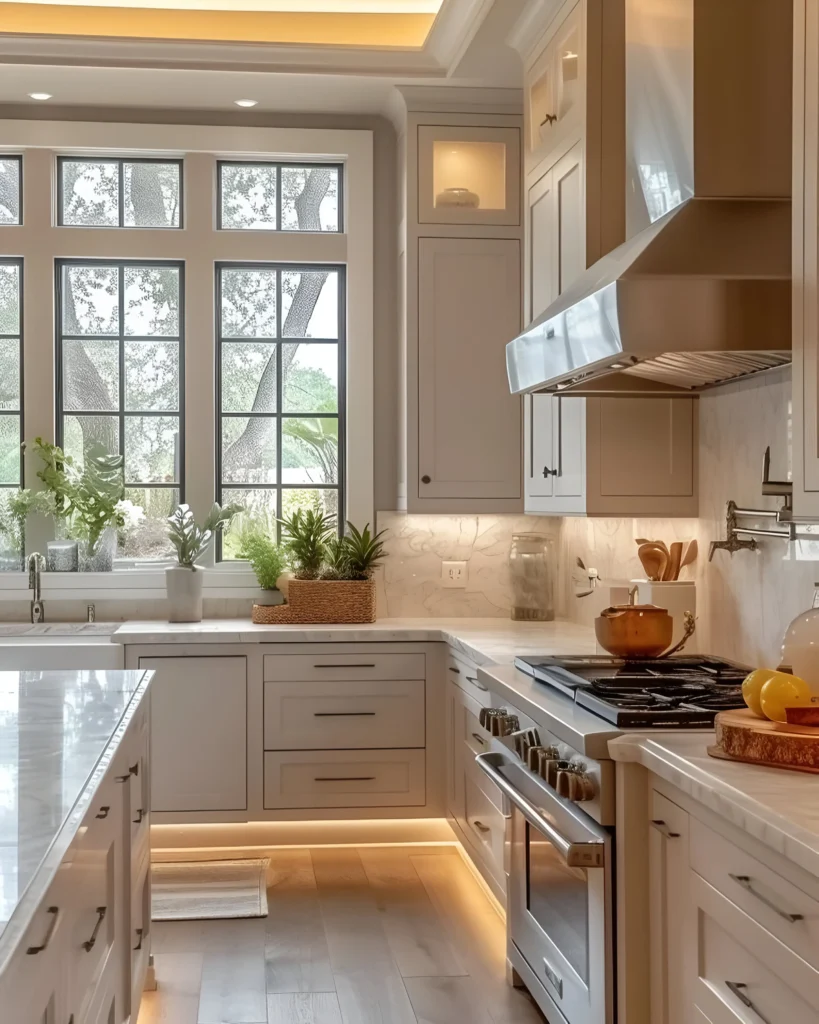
{"x": 452, "y": 99}
{"x": 454, "y": 29}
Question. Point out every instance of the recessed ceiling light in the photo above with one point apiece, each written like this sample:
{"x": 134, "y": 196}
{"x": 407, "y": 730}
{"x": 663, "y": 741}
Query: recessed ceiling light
{"x": 246, "y": 103}
{"x": 40, "y": 95}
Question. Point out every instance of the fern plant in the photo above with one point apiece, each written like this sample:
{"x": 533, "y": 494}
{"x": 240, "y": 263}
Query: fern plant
{"x": 267, "y": 559}
{"x": 307, "y": 533}
{"x": 364, "y": 552}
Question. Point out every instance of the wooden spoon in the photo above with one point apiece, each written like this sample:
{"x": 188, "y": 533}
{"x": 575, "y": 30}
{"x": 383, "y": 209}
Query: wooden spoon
{"x": 672, "y": 570}
{"x": 689, "y": 554}
{"x": 653, "y": 560}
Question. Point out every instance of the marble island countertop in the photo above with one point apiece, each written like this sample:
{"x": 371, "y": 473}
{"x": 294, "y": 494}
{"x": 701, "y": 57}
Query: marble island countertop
{"x": 780, "y": 808}
{"x": 485, "y": 641}
{"x": 58, "y": 733}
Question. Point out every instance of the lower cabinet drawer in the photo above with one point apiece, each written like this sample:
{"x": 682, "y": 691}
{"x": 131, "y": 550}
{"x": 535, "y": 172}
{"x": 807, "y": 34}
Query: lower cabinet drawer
{"x": 776, "y": 903}
{"x": 339, "y": 715}
{"x": 484, "y": 824}
{"x": 344, "y": 778}
{"x": 465, "y": 674}
{"x": 474, "y": 735}
{"x": 744, "y": 973}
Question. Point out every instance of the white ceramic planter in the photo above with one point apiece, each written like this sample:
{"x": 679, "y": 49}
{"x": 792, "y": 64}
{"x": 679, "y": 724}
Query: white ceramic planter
{"x": 184, "y": 588}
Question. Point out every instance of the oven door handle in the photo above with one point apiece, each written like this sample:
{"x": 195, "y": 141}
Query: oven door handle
{"x": 576, "y": 855}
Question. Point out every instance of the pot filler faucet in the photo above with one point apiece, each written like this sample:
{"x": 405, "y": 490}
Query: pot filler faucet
{"x": 36, "y": 564}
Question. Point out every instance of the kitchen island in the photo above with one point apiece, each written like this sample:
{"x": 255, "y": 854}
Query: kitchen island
{"x": 74, "y": 844}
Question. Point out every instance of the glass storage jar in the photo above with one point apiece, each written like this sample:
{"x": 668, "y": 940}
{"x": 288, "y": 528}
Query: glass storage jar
{"x": 532, "y": 569}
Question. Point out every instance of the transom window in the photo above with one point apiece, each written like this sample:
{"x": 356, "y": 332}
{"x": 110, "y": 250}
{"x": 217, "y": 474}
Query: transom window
{"x": 280, "y": 335}
{"x": 11, "y": 207}
{"x": 120, "y": 362}
{"x": 106, "y": 192}
{"x": 279, "y": 197}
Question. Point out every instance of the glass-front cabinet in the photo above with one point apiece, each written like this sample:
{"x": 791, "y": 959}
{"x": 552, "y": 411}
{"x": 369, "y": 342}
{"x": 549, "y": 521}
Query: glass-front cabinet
{"x": 468, "y": 175}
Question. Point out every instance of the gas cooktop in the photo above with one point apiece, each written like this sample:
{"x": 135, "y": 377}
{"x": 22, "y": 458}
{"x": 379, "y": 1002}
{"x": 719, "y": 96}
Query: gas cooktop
{"x": 682, "y": 692}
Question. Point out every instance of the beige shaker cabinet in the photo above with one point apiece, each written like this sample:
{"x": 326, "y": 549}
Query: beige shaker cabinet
{"x": 469, "y": 424}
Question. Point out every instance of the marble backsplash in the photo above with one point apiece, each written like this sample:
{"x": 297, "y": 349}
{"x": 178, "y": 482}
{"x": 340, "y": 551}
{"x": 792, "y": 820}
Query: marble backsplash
{"x": 410, "y": 582}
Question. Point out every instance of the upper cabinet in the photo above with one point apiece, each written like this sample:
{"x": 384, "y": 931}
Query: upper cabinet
{"x": 555, "y": 94}
{"x": 468, "y": 175}
{"x": 806, "y": 259}
{"x": 461, "y": 263}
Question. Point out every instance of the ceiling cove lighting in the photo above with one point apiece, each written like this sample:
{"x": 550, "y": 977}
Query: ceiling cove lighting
{"x": 39, "y": 95}
{"x": 246, "y": 103}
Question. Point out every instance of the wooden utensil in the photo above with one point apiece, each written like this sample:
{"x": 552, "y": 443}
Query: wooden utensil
{"x": 689, "y": 554}
{"x": 656, "y": 543}
{"x": 672, "y": 570}
{"x": 653, "y": 559}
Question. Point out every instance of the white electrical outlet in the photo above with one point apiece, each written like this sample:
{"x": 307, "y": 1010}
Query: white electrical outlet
{"x": 454, "y": 574}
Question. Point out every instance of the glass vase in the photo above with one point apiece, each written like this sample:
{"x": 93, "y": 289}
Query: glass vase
{"x": 532, "y": 569}
{"x": 102, "y": 559}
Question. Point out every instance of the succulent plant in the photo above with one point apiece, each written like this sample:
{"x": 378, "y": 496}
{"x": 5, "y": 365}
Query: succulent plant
{"x": 307, "y": 533}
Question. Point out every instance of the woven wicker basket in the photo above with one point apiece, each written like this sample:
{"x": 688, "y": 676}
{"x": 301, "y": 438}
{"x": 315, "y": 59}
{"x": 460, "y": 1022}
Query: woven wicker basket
{"x": 331, "y": 601}
{"x": 270, "y": 614}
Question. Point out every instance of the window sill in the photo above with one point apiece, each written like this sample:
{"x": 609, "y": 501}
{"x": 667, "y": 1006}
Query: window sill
{"x": 125, "y": 584}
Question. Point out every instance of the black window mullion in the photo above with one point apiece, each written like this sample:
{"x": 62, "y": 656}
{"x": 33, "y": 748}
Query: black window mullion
{"x": 279, "y": 380}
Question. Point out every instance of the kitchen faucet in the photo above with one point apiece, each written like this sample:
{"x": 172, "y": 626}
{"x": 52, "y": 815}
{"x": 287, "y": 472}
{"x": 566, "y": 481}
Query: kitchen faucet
{"x": 36, "y": 564}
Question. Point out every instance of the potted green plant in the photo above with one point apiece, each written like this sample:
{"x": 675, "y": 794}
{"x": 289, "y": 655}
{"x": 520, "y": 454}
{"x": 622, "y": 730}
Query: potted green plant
{"x": 89, "y": 500}
{"x": 268, "y": 561}
{"x": 183, "y": 582}
{"x": 333, "y": 576}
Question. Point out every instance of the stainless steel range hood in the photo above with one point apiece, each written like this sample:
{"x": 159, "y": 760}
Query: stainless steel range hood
{"x": 703, "y": 294}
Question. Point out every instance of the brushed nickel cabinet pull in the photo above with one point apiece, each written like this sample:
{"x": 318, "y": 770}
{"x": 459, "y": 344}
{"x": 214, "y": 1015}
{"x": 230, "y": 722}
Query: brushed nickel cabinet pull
{"x": 664, "y": 830}
{"x": 747, "y": 884}
{"x": 343, "y": 714}
{"x": 738, "y": 988}
{"x": 89, "y": 944}
{"x": 345, "y": 666}
{"x": 55, "y": 916}
{"x": 479, "y": 738}
{"x": 103, "y": 812}
{"x": 344, "y": 778}
{"x": 479, "y": 825}
{"x": 457, "y": 671}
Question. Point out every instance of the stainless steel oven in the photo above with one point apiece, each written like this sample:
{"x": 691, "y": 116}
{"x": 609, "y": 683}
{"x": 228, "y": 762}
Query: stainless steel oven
{"x": 561, "y": 899}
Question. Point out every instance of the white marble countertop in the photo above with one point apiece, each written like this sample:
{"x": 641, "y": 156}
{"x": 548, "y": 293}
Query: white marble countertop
{"x": 780, "y": 808}
{"x": 484, "y": 640}
{"x": 58, "y": 733}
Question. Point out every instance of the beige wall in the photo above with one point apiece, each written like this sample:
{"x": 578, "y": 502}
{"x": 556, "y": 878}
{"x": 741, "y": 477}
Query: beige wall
{"x": 385, "y": 352}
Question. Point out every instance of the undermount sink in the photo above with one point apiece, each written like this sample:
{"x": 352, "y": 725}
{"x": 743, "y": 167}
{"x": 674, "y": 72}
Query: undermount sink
{"x": 28, "y": 629}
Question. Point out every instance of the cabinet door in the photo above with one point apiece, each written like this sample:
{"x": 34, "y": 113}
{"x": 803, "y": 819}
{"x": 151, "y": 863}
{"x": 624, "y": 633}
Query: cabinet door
{"x": 569, "y": 433}
{"x": 198, "y": 734}
{"x": 469, "y": 428}
{"x": 569, "y": 198}
{"x": 454, "y": 752}
{"x": 556, "y": 88}
{"x": 543, "y": 247}
{"x": 806, "y": 260}
{"x": 641, "y": 456}
{"x": 540, "y": 449}
{"x": 668, "y": 873}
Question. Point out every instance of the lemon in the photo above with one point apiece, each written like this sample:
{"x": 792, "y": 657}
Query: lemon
{"x": 751, "y": 687}
{"x": 782, "y": 691}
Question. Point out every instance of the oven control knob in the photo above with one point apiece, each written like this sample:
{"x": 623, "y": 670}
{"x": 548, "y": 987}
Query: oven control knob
{"x": 574, "y": 783}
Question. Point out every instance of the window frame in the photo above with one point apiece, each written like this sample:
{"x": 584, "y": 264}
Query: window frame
{"x": 121, "y": 414}
{"x": 280, "y": 165}
{"x": 18, "y": 158}
{"x": 120, "y": 161}
{"x": 20, "y": 412}
{"x": 279, "y": 415}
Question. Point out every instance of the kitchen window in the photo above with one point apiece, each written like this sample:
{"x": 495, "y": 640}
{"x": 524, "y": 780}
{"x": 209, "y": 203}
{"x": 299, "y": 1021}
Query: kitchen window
{"x": 11, "y": 396}
{"x": 120, "y": 379}
{"x": 106, "y": 192}
{"x": 279, "y": 197}
{"x": 280, "y": 389}
{"x": 11, "y": 190}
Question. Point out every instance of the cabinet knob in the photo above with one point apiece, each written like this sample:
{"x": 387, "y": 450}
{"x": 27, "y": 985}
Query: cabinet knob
{"x": 548, "y": 119}
{"x": 426, "y": 479}
{"x": 549, "y": 472}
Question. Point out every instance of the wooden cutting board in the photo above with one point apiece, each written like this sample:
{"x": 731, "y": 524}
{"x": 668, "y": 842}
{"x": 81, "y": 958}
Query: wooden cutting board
{"x": 741, "y": 736}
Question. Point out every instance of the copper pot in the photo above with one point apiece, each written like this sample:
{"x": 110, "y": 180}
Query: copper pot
{"x": 634, "y": 630}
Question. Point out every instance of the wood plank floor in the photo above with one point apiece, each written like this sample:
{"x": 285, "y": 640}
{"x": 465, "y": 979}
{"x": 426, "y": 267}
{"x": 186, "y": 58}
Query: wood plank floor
{"x": 397, "y": 935}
